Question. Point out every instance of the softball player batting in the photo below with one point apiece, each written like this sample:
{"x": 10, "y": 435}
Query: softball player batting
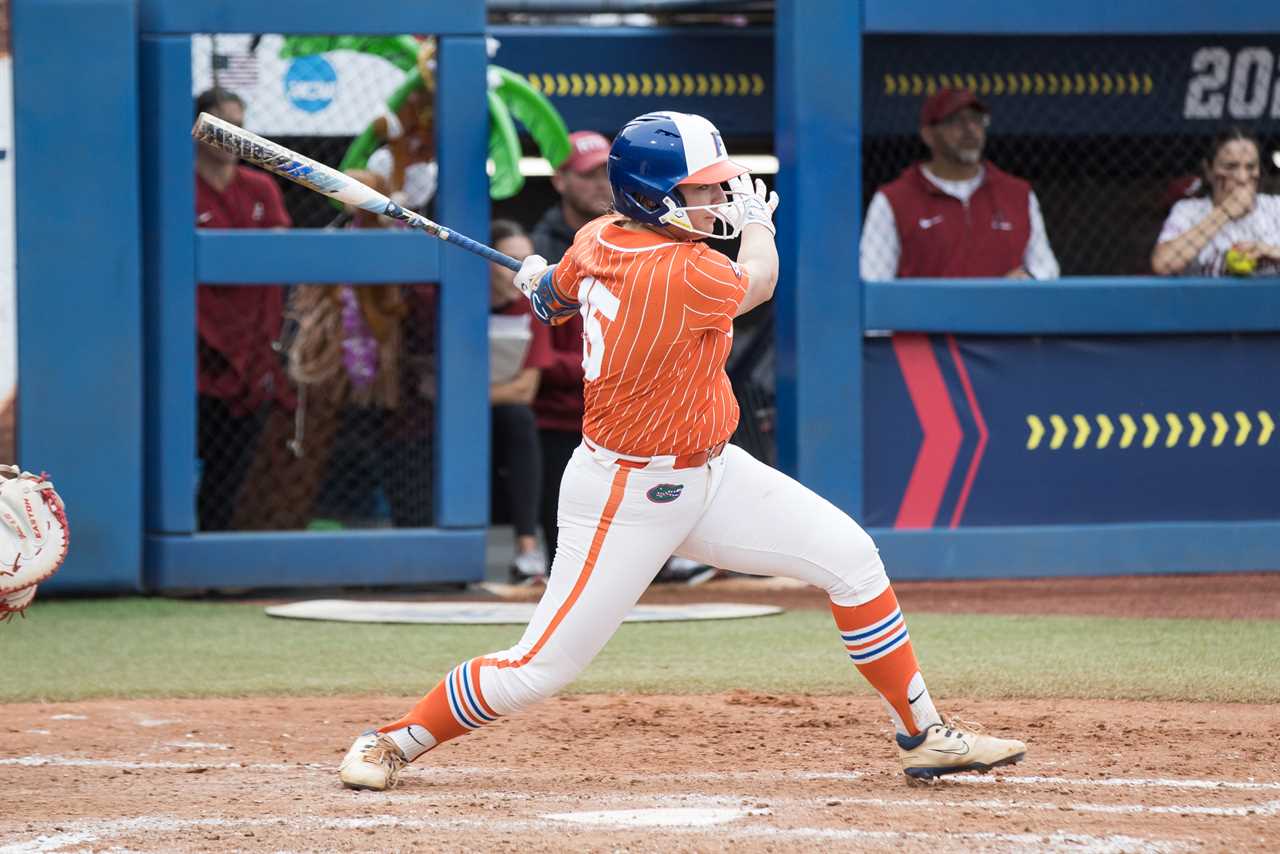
{"x": 654, "y": 475}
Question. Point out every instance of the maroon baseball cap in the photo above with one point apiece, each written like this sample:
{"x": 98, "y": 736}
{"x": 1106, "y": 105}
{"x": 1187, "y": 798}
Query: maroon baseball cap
{"x": 587, "y": 150}
{"x": 945, "y": 102}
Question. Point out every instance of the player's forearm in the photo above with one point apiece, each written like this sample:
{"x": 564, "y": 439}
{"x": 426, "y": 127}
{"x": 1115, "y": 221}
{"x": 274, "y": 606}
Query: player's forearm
{"x": 1171, "y": 257}
{"x": 549, "y": 304}
{"x": 758, "y": 257}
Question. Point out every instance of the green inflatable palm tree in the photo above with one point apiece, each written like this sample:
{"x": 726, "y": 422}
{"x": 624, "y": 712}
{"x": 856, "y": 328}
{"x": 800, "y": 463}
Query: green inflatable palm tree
{"x": 510, "y": 98}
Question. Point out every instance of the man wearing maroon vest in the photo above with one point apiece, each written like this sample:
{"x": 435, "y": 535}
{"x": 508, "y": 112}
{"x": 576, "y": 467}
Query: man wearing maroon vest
{"x": 955, "y": 215}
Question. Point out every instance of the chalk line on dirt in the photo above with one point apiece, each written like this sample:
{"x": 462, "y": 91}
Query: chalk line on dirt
{"x": 95, "y": 830}
{"x": 436, "y": 772}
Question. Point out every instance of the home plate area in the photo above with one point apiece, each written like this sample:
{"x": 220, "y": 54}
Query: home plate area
{"x": 740, "y": 771}
{"x": 495, "y": 613}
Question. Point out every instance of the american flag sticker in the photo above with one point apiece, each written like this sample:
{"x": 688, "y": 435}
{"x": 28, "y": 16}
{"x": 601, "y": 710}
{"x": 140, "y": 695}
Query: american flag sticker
{"x": 235, "y": 70}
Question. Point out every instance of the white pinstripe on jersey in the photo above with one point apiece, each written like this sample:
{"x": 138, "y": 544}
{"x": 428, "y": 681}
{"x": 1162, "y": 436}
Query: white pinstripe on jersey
{"x": 661, "y": 388}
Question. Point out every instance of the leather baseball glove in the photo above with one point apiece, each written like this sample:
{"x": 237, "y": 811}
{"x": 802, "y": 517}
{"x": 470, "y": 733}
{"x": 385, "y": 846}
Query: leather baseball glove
{"x": 33, "y": 536}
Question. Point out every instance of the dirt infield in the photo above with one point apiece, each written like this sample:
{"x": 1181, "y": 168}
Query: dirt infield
{"x": 739, "y": 771}
{"x": 776, "y": 773}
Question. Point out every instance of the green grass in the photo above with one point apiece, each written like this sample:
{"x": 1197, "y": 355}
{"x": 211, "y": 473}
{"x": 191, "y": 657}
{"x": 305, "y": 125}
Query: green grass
{"x": 70, "y": 650}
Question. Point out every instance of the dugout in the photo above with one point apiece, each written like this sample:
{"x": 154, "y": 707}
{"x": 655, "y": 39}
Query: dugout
{"x": 928, "y": 441}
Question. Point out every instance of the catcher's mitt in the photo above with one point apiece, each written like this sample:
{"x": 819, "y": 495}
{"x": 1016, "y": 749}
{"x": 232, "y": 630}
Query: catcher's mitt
{"x": 33, "y": 536}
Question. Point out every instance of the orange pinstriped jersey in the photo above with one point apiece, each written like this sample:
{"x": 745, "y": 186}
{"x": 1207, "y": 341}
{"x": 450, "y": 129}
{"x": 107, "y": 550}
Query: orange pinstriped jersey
{"x": 658, "y": 316}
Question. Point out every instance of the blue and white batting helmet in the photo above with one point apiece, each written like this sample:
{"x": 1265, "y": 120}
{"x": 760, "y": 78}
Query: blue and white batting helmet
{"x": 657, "y": 152}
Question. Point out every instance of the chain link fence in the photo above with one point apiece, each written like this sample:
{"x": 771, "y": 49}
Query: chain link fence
{"x": 1110, "y": 133}
{"x": 330, "y": 98}
{"x": 317, "y": 403}
{"x": 1101, "y": 140}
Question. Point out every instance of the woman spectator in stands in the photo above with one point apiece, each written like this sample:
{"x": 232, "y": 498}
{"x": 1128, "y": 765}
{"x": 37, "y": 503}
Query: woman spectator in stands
{"x": 517, "y": 458}
{"x": 1229, "y": 214}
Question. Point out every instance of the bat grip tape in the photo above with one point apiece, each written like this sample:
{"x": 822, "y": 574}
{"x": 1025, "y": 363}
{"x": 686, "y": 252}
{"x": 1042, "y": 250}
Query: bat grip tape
{"x": 480, "y": 249}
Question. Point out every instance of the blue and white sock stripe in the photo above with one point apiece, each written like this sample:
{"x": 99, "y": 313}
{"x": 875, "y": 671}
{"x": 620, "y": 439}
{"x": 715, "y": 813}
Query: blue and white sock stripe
{"x": 872, "y": 653}
{"x": 878, "y": 640}
{"x": 858, "y": 637}
{"x": 462, "y": 698}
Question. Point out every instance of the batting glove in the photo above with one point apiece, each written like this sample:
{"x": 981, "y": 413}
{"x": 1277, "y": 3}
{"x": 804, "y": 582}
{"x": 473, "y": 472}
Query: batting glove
{"x": 752, "y": 202}
{"x": 537, "y": 282}
{"x": 531, "y": 269}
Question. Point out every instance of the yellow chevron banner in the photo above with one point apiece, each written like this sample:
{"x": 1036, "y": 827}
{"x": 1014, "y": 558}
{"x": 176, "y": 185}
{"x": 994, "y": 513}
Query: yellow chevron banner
{"x": 1036, "y": 83}
{"x": 1145, "y": 429}
{"x": 1059, "y": 431}
{"x": 1197, "y": 429}
{"x": 1037, "y": 432}
{"x": 1082, "y": 431}
{"x": 578, "y": 84}
{"x": 1219, "y": 428}
{"x": 1243, "y": 425}
{"x": 1104, "y": 431}
{"x": 1153, "y": 429}
{"x": 1126, "y": 421}
{"x": 1175, "y": 429}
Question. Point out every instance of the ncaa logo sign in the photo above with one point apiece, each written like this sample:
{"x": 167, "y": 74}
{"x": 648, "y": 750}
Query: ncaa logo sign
{"x": 311, "y": 83}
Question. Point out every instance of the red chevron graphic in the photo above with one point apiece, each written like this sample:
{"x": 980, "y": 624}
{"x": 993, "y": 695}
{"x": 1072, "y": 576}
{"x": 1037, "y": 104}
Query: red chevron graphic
{"x": 942, "y": 436}
{"x": 978, "y": 450}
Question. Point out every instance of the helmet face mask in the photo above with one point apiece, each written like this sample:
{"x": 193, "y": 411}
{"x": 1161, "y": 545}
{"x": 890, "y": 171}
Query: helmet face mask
{"x": 727, "y": 217}
{"x": 657, "y": 152}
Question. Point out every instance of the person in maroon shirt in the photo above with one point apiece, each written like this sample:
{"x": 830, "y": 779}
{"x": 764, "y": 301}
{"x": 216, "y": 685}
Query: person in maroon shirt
{"x": 582, "y": 182}
{"x": 956, "y": 214}
{"x": 239, "y": 372}
{"x": 517, "y": 460}
{"x": 559, "y": 407}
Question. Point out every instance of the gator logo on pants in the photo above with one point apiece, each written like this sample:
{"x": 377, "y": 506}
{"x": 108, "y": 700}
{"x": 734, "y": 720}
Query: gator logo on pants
{"x": 665, "y": 493}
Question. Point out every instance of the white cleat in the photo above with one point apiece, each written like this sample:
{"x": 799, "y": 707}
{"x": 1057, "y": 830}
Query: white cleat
{"x": 948, "y": 749}
{"x": 373, "y": 762}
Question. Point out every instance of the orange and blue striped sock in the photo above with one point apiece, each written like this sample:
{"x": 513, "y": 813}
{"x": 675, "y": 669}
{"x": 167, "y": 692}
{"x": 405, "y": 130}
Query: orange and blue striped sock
{"x": 875, "y": 634}
{"x": 452, "y": 708}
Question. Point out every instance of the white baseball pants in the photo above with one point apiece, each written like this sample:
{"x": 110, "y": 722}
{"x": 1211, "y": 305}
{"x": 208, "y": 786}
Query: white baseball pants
{"x": 618, "y": 525}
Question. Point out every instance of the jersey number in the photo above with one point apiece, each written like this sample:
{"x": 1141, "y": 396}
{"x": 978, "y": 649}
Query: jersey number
{"x": 598, "y": 301}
